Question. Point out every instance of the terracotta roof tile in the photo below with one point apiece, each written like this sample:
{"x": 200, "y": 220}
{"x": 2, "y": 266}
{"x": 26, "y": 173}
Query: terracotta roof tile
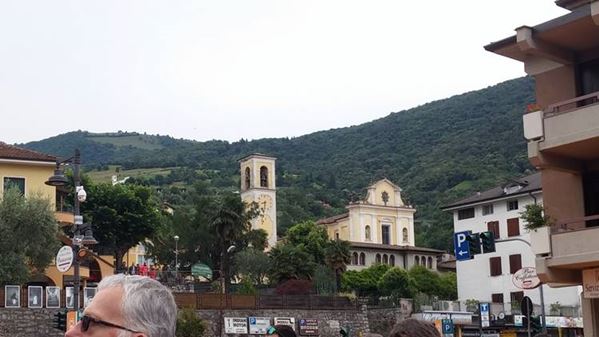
{"x": 13, "y": 152}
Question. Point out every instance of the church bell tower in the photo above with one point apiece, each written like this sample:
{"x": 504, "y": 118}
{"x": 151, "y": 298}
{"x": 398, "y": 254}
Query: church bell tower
{"x": 258, "y": 185}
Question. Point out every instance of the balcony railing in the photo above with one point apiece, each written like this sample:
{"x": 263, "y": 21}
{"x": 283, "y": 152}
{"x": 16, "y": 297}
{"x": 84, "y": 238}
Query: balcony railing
{"x": 571, "y": 104}
{"x": 578, "y": 223}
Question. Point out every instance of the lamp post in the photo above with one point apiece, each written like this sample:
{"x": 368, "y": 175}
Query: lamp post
{"x": 59, "y": 179}
{"x": 176, "y": 237}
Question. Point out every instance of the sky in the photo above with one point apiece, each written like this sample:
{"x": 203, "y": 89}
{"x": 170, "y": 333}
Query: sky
{"x": 250, "y": 69}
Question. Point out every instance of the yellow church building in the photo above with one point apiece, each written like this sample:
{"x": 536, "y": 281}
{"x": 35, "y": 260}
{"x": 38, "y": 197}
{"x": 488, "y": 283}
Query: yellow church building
{"x": 380, "y": 229}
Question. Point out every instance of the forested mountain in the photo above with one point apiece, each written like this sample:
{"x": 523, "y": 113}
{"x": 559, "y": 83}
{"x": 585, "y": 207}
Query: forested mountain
{"x": 436, "y": 153}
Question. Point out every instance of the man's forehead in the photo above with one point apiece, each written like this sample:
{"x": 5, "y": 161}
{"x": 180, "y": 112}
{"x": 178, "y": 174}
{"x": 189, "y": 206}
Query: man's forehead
{"x": 106, "y": 304}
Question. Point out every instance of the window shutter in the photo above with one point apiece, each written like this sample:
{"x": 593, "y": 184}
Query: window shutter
{"x": 493, "y": 226}
{"x": 513, "y": 227}
{"x": 515, "y": 263}
{"x": 495, "y": 266}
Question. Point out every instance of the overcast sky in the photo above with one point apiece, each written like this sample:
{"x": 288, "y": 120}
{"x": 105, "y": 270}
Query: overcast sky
{"x": 243, "y": 69}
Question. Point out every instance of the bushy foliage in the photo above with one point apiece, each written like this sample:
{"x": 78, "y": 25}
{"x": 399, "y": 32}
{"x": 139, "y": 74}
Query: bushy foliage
{"x": 442, "y": 286}
{"x": 252, "y": 264}
{"x": 189, "y": 324}
{"x": 289, "y": 262}
{"x": 364, "y": 282}
{"x": 325, "y": 281}
{"x": 28, "y": 236}
{"x": 295, "y": 287}
{"x": 397, "y": 283}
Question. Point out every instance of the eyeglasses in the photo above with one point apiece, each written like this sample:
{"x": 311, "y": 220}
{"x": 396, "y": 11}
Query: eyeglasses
{"x": 271, "y": 330}
{"x": 86, "y": 320}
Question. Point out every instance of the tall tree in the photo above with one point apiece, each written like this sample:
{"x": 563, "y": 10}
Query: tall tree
{"x": 122, "y": 216}
{"x": 337, "y": 257}
{"x": 28, "y": 236}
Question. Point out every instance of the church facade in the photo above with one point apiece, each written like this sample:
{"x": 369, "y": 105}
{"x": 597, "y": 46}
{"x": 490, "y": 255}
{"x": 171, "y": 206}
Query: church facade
{"x": 380, "y": 229}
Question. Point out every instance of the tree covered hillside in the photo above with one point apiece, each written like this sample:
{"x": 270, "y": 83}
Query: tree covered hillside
{"x": 436, "y": 153}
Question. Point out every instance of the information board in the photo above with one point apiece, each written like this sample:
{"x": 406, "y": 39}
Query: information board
{"x": 308, "y": 327}
{"x": 259, "y": 325}
{"x": 236, "y": 325}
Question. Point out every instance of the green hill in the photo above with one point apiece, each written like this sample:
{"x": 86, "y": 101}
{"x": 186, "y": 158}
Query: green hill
{"x": 436, "y": 152}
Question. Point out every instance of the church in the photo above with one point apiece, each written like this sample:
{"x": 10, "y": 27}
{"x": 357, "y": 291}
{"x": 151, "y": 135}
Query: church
{"x": 380, "y": 228}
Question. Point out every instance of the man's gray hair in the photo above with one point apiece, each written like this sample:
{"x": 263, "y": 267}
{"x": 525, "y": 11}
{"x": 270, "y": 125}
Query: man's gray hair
{"x": 147, "y": 305}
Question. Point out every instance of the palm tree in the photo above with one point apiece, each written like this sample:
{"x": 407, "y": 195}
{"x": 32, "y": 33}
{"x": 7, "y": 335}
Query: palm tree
{"x": 337, "y": 257}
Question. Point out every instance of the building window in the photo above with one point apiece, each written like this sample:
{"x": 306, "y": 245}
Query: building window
{"x": 493, "y": 226}
{"x": 513, "y": 227}
{"x": 405, "y": 234}
{"x": 392, "y": 260}
{"x": 487, "y": 209}
{"x": 247, "y": 178}
{"x": 516, "y": 298}
{"x": 367, "y": 233}
{"x": 497, "y": 298}
{"x": 378, "y": 258}
{"x": 512, "y": 205}
{"x": 515, "y": 263}
{"x": 362, "y": 259}
{"x": 336, "y": 235}
{"x": 423, "y": 261}
{"x": 466, "y": 213}
{"x": 430, "y": 263}
{"x": 263, "y": 176}
{"x": 18, "y": 183}
{"x": 355, "y": 258}
{"x": 495, "y": 266}
{"x": 416, "y": 260}
{"x": 385, "y": 234}
{"x": 385, "y": 259}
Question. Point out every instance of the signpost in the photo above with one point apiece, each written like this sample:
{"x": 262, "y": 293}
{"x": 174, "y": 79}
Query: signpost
{"x": 290, "y": 321}
{"x": 484, "y": 315}
{"x": 308, "y": 327}
{"x": 236, "y": 325}
{"x": 526, "y": 278}
{"x": 447, "y": 327}
{"x": 64, "y": 258}
{"x": 259, "y": 325}
{"x": 462, "y": 245}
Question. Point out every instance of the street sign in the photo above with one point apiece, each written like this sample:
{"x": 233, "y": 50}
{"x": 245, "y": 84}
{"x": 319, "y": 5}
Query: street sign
{"x": 484, "y": 315}
{"x": 526, "y": 278}
{"x": 462, "y": 246}
{"x": 290, "y": 321}
{"x": 64, "y": 258}
{"x": 447, "y": 326}
{"x": 236, "y": 325}
{"x": 259, "y": 325}
{"x": 526, "y": 306}
{"x": 200, "y": 269}
{"x": 308, "y": 327}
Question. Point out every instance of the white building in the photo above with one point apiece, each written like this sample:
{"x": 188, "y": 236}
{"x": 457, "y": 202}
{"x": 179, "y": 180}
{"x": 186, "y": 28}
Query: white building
{"x": 488, "y": 277}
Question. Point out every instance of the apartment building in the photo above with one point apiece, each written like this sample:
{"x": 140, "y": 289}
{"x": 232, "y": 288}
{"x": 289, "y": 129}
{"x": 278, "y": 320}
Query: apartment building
{"x": 562, "y": 130}
{"x": 489, "y": 277}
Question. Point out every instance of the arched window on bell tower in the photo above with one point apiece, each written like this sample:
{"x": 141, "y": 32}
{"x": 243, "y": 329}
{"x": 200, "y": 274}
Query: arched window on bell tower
{"x": 247, "y": 178}
{"x": 263, "y": 176}
{"x": 405, "y": 235}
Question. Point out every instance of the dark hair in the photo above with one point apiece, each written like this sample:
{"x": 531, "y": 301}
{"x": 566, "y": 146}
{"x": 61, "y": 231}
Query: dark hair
{"x": 284, "y": 330}
{"x": 414, "y": 328}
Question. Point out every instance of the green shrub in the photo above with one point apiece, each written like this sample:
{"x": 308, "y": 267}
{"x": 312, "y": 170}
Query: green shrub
{"x": 189, "y": 324}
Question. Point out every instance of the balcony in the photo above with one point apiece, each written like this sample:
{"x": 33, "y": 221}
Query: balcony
{"x": 64, "y": 215}
{"x": 568, "y": 129}
{"x": 573, "y": 248}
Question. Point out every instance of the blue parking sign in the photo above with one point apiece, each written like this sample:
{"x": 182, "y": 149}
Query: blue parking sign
{"x": 447, "y": 325}
{"x": 461, "y": 245}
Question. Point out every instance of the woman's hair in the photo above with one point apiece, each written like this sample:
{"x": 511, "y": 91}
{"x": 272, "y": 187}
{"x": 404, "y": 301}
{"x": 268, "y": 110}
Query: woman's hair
{"x": 147, "y": 305}
{"x": 284, "y": 331}
{"x": 414, "y": 328}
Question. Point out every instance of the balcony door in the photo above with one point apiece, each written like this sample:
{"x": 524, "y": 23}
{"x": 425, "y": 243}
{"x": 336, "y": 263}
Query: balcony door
{"x": 590, "y": 181}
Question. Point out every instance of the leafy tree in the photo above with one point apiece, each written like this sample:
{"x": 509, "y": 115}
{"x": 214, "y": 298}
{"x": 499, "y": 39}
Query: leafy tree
{"x": 28, "y": 236}
{"x": 289, "y": 262}
{"x": 425, "y": 280}
{"x": 397, "y": 283}
{"x": 324, "y": 281}
{"x": 122, "y": 215}
{"x": 311, "y": 238}
{"x": 337, "y": 257}
{"x": 448, "y": 286}
{"x": 252, "y": 264}
{"x": 364, "y": 282}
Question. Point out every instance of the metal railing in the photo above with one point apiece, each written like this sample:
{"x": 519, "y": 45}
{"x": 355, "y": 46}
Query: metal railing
{"x": 233, "y": 301}
{"x": 578, "y": 223}
{"x": 571, "y": 104}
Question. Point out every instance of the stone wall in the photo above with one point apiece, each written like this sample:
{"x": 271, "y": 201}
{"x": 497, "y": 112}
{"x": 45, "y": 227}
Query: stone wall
{"x": 328, "y": 320}
{"x": 25, "y": 322}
